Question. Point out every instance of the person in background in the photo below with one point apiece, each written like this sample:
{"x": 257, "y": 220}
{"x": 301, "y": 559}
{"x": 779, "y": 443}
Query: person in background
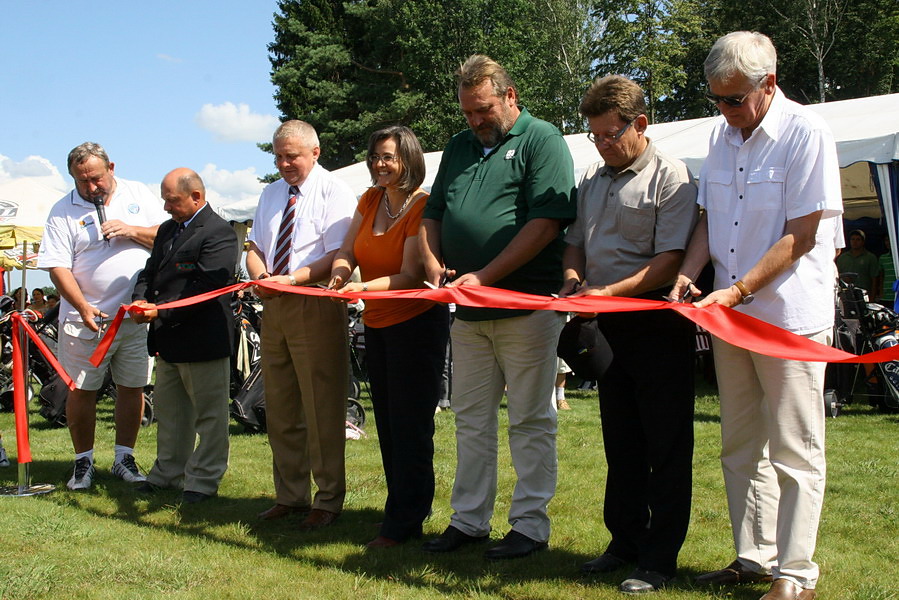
{"x": 93, "y": 261}
{"x": 405, "y": 339}
{"x": 300, "y": 223}
{"x": 770, "y": 187}
{"x": 636, "y": 211}
{"x": 195, "y": 252}
{"x": 38, "y": 302}
{"x": 862, "y": 262}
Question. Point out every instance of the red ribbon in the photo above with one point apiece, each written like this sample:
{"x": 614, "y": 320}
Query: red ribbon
{"x": 729, "y": 325}
{"x": 19, "y": 360}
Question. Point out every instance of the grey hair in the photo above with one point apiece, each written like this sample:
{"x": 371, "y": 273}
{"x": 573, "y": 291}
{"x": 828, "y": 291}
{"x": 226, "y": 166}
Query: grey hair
{"x": 83, "y": 152}
{"x": 297, "y": 129}
{"x": 747, "y": 53}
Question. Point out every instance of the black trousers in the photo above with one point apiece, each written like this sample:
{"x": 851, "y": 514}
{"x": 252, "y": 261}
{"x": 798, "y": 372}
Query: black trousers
{"x": 646, "y": 405}
{"x": 405, "y": 362}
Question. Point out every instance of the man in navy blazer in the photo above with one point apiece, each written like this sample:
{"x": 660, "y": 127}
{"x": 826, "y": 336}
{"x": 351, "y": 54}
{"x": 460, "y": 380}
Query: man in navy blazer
{"x": 194, "y": 252}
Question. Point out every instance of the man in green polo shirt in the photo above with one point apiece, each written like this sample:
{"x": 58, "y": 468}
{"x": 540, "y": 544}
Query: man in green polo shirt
{"x": 502, "y": 196}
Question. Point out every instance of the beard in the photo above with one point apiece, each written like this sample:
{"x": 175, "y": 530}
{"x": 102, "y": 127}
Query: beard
{"x": 491, "y": 134}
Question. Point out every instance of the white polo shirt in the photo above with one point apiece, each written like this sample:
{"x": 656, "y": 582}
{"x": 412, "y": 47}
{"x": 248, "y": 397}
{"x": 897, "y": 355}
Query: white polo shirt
{"x": 786, "y": 169}
{"x": 322, "y": 217}
{"x": 105, "y": 272}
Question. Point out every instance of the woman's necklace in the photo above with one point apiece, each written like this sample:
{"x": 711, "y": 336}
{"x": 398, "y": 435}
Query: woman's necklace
{"x": 402, "y": 208}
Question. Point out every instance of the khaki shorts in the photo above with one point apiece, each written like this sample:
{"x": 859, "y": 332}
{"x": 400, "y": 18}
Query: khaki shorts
{"x": 131, "y": 365}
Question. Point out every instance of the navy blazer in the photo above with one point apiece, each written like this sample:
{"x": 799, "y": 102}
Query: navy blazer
{"x": 202, "y": 259}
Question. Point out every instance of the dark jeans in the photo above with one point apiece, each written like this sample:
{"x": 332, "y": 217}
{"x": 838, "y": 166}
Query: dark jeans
{"x": 405, "y": 362}
{"x": 646, "y": 404}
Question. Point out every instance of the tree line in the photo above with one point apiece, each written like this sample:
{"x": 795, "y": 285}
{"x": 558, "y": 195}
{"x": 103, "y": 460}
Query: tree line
{"x": 350, "y": 67}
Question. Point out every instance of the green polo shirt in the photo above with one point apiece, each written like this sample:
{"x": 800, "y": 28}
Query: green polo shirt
{"x": 483, "y": 201}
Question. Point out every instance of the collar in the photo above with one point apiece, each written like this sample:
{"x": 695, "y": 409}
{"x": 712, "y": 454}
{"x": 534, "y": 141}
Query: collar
{"x": 640, "y": 163}
{"x": 770, "y": 123}
{"x": 307, "y": 184}
{"x": 191, "y": 220}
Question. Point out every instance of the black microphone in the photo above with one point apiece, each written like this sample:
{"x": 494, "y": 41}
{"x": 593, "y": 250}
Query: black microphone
{"x": 101, "y": 213}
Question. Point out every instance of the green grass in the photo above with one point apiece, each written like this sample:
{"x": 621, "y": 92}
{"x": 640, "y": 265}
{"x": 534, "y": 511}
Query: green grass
{"x": 113, "y": 543}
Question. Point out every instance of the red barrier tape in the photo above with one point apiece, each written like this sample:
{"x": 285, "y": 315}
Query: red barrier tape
{"x": 19, "y": 360}
{"x": 729, "y": 325}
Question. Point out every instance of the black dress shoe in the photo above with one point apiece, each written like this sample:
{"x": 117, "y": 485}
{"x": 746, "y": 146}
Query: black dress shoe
{"x": 514, "y": 545}
{"x": 147, "y": 488}
{"x": 642, "y": 582}
{"x": 194, "y": 497}
{"x": 452, "y": 539}
{"x": 604, "y": 563}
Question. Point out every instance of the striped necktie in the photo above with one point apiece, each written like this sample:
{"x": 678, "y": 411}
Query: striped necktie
{"x": 281, "y": 263}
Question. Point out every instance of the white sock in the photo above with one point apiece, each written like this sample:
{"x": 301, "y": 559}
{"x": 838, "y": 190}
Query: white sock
{"x": 121, "y": 451}
{"x": 89, "y": 454}
{"x": 560, "y": 393}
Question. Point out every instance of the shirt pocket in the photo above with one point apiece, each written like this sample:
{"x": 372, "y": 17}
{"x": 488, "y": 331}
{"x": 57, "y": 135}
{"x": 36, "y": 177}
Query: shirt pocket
{"x": 637, "y": 223}
{"x": 718, "y": 188}
{"x": 765, "y": 189}
{"x": 308, "y": 231}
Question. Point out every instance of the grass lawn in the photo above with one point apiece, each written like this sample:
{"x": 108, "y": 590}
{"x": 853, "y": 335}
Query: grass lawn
{"x": 112, "y": 543}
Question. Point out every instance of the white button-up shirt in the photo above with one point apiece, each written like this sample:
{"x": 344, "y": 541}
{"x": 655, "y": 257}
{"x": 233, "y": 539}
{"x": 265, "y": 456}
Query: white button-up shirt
{"x": 324, "y": 210}
{"x": 786, "y": 169}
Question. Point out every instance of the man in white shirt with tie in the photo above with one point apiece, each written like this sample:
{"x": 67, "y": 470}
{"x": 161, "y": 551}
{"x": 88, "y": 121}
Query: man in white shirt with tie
{"x": 299, "y": 225}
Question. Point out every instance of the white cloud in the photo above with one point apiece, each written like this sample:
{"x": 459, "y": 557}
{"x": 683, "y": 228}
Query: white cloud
{"x": 168, "y": 58}
{"x": 231, "y": 122}
{"x": 237, "y": 190}
{"x": 32, "y": 167}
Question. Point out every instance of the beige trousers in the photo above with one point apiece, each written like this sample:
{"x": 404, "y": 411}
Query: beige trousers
{"x": 772, "y": 454}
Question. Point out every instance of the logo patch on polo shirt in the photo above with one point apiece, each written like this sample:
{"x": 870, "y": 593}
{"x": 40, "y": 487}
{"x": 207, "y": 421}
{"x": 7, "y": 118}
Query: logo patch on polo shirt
{"x": 185, "y": 266}
{"x": 510, "y": 154}
{"x": 134, "y": 208}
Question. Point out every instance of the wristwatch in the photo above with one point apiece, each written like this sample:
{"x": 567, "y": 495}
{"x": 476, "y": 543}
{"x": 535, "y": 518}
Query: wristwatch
{"x": 291, "y": 279}
{"x": 744, "y": 292}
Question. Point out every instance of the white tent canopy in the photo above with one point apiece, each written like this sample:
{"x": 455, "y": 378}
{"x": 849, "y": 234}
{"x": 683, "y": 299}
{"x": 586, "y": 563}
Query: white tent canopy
{"x": 865, "y": 129}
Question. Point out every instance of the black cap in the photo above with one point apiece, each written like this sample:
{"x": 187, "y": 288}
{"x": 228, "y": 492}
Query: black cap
{"x": 586, "y": 350}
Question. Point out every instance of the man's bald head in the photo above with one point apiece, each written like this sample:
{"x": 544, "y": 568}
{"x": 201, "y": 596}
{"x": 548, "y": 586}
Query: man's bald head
{"x": 184, "y": 194}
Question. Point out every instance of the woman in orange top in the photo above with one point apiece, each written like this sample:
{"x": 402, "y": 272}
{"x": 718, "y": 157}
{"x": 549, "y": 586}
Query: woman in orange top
{"x": 405, "y": 339}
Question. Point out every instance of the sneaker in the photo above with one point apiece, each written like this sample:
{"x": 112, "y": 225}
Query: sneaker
{"x": 127, "y": 469}
{"x": 4, "y": 460}
{"x": 563, "y": 404}
{"x": 83, "y": 475}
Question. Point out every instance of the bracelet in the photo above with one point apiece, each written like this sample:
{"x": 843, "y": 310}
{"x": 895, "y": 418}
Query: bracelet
{"x": 291, "y": 279}
{"x": 364, "y": 287}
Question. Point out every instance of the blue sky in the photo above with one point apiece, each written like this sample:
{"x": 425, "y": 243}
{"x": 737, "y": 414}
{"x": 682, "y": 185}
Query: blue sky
{"x": 159, "y": 84}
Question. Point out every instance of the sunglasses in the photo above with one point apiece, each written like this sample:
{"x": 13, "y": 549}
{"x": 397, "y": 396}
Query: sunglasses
{"x": 733, "y": 100}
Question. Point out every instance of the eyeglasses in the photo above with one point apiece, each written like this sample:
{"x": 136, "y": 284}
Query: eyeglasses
{"x": 387, "y": 158}
{"x": 733, "y": 100}
{"x": 608, "y": 140}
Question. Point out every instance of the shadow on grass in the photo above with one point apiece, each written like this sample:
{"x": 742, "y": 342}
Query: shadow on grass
{"x": 461, "y": 572}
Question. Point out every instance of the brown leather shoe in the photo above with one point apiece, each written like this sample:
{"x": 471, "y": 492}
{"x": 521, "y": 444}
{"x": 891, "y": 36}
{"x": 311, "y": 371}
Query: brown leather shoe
{"x": 279, "y": 511}
{"x": 382, "y": 542}
{"x": 317, "y": 519}
{"x": 732, "y": 574}
{"x": 784, "y": 589}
